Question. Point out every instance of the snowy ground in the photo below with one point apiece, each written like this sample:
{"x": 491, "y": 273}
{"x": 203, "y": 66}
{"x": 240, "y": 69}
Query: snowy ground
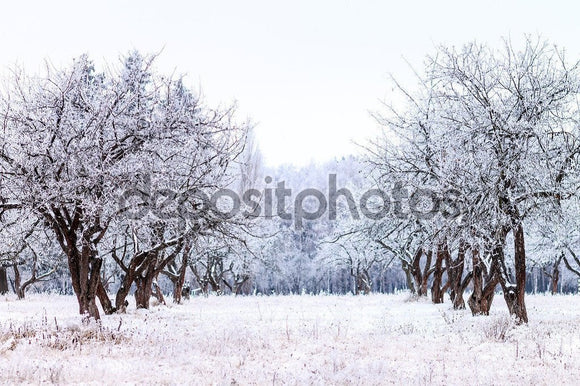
{"x": 377, "y": 339}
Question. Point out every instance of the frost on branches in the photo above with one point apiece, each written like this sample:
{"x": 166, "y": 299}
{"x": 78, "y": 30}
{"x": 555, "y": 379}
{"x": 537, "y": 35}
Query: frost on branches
{"x": 500, "y": 127}
{"x": 74, "y": 140}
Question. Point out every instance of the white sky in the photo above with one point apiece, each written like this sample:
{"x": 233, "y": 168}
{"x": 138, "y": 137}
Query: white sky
{"x": 307, "y": 72}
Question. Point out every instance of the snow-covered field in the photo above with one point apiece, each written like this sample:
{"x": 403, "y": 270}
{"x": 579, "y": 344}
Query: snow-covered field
{"x": 376, "y": 339}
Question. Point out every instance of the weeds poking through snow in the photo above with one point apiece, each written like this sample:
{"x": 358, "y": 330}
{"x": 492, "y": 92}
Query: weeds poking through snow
{"x": 70, "y": 337}
{"x": 497, "y": 328}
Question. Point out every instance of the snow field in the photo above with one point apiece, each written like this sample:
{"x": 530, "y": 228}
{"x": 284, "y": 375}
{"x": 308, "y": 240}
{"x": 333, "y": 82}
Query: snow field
{"x": 375, "y": 339}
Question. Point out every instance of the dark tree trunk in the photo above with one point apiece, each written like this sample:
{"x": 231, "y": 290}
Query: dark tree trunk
{"x": 455, "y": 276}
{"x": 426, "y": 273}
{"x": 85, "y": 275}
{"x": 143, "y": 290}
{"x": 417, "y": 273}
{"x": 123, "y": 292}
{"x": 242, "y": 285}
{"x": 3, "y": 281}
{"x": 363, "y": 283}
{"x": 104, "y": 299}
{"x": 475, "y": 299}
{"x": 19, "y": 287}
{"x": 436, "y": 290}
{"x": 178, "y": 283}
{"x": 89, "y": 290}
{"x": 555, "y": 279}
{"x": 417, "y": 278}
{"x": 144, "y": 281}
{"x": 18, "y": 283}
{"x": 488, "y": 294}
{"x": 458, "y": 302}
{"x": 179, "y": 279}
{"x": 520, "y": 261}
{"x": 421, "y": 277}
{"x": 409, "y": 277}
{"x": 157, "y": 291}
{"x": 555, "y": 276}
{"x": 83, "y": 263}
{"x": 482, "y": 296}
{"x": 143, "y": 269}
{"x": 211, "y": 276}
{"x": 514, "y": 294}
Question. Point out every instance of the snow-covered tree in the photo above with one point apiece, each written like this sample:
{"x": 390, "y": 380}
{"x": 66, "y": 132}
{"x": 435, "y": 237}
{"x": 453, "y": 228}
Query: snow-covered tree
{"x": 499, "y": 127}
{"x": 75, "y": 140}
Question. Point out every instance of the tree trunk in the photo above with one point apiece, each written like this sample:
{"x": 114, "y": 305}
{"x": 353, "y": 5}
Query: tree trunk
{"x": 3, "y": 281}
{"x": 143, "y": 269}
{"x": 421, "y": 277}
{"x": 242, "y": 285}
{"x": 144, "y": 282}
{"x": 458, "y": 302}
{"x": 408, "y": 276}
{"x": 487, "y": 295}
{"x": 436, "y": 290}
{"x": 157, "y": 291}
{"x": 17, "y": 282}
{"x": 514, "y": 294}
{"x": 363, "y": 284}
{"x": 555, "y": 279}
{"x": 426, "y": 273}
{"x": 178, "y": 284}
{"x": 104, "y": 299}
{"x": 19, "y": 288}
{"x": 143, "y": 290}
{"x": 85, "y": 275}
{"x": 455, "y": 276}
{"x": 555, "y": 276}
{"x": 180, "y": 279}
{"x": 475, "y": 299}
{"x": 417, "y": 274}
{"x": 482, "y": 296}
{"x": 123, "y": 292}
{"x": 83, "y": 263}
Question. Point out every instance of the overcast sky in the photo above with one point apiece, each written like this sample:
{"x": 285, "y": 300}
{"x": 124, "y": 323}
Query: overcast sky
{"x": 306, "y": 72}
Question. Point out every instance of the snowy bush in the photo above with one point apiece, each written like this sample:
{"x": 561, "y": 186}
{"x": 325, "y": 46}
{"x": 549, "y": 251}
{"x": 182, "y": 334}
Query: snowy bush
{"x": 498, "y": 327}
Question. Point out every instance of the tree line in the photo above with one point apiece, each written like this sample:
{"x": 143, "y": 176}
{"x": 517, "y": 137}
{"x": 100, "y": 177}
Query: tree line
{"x": 103, "y": 176}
